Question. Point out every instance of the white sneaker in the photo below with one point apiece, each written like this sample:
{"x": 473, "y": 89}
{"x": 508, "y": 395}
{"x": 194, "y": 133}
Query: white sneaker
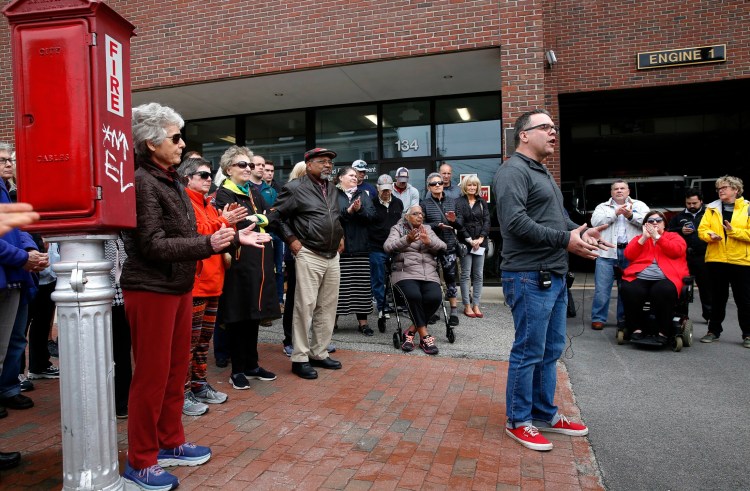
{"x": 209, "y": 395}
{"x": 191, "y": 406}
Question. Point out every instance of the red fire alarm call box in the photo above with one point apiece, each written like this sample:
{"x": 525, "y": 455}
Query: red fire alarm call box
{"x": 71, "y": 82}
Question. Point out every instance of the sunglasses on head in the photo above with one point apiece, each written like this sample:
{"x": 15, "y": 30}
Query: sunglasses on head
{"x": 203, "y": 174}
{"x": 655, "y": 220}
{"x": 175, "y": 138}
{"x": 435, "y": 183}
{"x": 243, "y": 165}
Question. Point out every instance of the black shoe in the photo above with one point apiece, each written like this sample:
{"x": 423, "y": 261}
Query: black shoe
{"x": 365, "y": 329}
{"x": 18, "y": 401}
{"x": 453, "y": 320}
{"x": 433, "y": 319}
{"x": 304, "y": 369}
{"x": 121, "y": 413}
{"x": 3, "y": 412}
{"x": 9, "y": 460}
{"x": 636, "y": 336}
{"x": 329, "y": 363}
{"x": 222, "y": 362}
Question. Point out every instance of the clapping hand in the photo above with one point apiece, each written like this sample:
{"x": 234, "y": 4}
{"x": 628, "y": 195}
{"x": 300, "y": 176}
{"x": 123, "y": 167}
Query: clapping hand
{"x": 249, "y": 237}
{"x": 234, "y": 213}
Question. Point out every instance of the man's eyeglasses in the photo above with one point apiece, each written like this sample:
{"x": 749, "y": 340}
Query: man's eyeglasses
{"x": 546, "y": 127}
{"x": 203, "y": 175}
{"x": 435, "y": 183}
{"x": 244, "y": 165}
{"x": 5, "y": 161}
{"x": 655, "y": 220}
{"x": 322, "y": 161}
{"x": 175, "y": 138}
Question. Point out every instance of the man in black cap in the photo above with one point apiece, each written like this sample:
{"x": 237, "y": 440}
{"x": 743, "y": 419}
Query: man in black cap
{"x": 310, "y": 226}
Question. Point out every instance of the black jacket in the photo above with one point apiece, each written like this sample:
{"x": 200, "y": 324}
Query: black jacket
{"x": 696, "y": 247}
{"x": 356, "y": 224}
{"x": 385, "y": 218}
{"x": 475, "y": 220}
{"x": 308, "y": 217}
{"x": 249, "y": 284}
{"x": 434, "y": 213}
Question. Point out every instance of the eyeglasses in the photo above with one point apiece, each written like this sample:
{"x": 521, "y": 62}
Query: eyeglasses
{"x": 416, "y": 214}
{"x": 435, "y": 183}
{"x": 655, "y": 220}
{"x": 322, "y": 161}
{"x": 546, "y": 127}
{"x": 175, "y": 138}
{"x": 717, "y": 189}
{"x": 243, "y": 165}
{"x": 5, "y": 161}
{"x": 203, "y": 175}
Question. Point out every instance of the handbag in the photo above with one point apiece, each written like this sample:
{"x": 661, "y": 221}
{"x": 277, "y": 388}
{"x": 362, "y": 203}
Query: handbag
{"x": 461, "y": 249}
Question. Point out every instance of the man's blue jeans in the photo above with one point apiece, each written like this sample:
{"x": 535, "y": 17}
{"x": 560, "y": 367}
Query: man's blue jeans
{"x": 377, "y": 277}
{"x": 539, "y": 319}
{"x": 9, "y": 383}
{"x": 604, "y": 277}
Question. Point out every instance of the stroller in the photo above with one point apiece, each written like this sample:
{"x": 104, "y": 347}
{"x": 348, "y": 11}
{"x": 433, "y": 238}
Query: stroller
{"x": 397, "y": 299}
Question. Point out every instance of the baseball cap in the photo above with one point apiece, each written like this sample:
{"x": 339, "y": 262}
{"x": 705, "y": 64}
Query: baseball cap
{"x": 385, "y": 182}
{"x": 317, "y": 152}
{"x": 359, "y": 165}
{"x": 402, "y": 174}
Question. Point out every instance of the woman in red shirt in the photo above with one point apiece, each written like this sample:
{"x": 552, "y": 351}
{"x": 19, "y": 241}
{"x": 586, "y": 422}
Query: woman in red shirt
{"x": 657, "y": 267}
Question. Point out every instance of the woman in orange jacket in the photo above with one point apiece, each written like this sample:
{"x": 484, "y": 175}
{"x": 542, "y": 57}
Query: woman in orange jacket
{"x": 209, "y": 281}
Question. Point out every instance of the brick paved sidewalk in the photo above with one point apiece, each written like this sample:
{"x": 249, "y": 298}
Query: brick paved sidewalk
{"x": 385, "y": 421}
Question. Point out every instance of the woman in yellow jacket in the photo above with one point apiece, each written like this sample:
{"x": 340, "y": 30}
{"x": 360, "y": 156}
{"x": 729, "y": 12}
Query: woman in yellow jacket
{"x": 726, "y": 228}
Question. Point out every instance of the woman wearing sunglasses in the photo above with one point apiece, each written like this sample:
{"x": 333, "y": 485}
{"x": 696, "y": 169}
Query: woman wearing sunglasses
{"x": 726, "y": 228}
{"x": 249, "y": 294}
{"x": 657, "y": 267}
{"x": 209, "y": 281}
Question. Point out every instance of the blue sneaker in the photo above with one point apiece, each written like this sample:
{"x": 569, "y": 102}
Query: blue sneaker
{"x": 188, "y": 454}
{"x": 153, "y": 478}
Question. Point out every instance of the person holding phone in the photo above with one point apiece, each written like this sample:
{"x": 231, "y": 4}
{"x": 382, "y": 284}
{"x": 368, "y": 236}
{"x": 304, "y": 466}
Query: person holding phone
{"x": 440, "y": 214}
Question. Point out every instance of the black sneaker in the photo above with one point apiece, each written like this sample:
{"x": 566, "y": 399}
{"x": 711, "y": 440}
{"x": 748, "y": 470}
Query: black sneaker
{"x": 25, "y": 383}
{"x": 50, "y": 372}
{"x": 428, "y": 345}
{"x": 365, "y": 329}
{"x": 453, "y": 320}
{"x": 239, "y": 381}
{"x": 260, "y": 373}
{"x": 408, "y": 341}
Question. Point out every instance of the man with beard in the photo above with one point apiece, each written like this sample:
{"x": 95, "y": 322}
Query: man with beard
{"x": 309, "y": 211}
{"x": 686, "y": 224}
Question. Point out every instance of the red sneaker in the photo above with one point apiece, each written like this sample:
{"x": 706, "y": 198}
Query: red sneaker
{"x": 529, "y": 437}
{"x": 566, "y": 427}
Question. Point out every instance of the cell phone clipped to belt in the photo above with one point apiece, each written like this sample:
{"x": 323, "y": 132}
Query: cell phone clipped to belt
{"x": 545, "y": 279}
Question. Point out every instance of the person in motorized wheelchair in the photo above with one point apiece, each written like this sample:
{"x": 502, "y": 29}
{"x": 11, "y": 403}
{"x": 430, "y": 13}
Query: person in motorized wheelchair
{"x": 414, "y": 274}
{"x": 655, "y": 273}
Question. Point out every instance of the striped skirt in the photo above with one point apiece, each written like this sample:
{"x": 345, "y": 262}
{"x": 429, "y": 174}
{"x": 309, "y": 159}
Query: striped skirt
{"x": 355, "y": 294}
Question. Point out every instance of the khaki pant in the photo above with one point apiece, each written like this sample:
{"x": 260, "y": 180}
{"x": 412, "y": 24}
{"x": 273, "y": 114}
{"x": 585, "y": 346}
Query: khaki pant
{"x": 314, "y": 305}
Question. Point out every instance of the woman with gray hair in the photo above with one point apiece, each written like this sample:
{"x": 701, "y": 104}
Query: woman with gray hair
{"x": 157, "y": 282}
{"x": 725, "y": 226}
{"x": 440, "y": 214}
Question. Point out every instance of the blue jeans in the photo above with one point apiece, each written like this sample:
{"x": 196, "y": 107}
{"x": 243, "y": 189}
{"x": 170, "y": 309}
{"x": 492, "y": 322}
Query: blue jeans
{"x": 604, "y": 277}
{"x": 539, "y": 319}
{"x": 472, "y": 266}
{"x": 377, "y": 277}
{"x": 9, "y": 383}
{"x": 278, "y": 261}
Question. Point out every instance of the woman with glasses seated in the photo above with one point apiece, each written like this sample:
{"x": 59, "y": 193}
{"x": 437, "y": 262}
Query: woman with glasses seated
{"x": 657, "y": 267}
{"x": 249, "y": 289}
{"x": 414, "y": 272}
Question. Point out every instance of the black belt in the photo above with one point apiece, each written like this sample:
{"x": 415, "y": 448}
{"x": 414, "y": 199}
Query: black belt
{"x": 622, "y": 245}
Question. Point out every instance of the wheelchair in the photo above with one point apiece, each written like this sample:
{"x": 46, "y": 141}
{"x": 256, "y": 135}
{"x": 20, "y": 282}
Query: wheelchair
{"x": 400, "y": 305}
{"x": 681, "y": 334}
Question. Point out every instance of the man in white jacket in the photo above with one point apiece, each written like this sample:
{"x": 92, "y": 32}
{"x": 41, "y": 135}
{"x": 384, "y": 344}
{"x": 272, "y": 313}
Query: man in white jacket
{"x": 625, "y": 219}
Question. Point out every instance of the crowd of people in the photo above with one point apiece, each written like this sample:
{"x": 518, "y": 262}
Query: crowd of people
{"x": 211, "y": 256}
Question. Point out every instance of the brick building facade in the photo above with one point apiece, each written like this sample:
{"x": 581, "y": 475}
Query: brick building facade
{"x": 186, "y": 46}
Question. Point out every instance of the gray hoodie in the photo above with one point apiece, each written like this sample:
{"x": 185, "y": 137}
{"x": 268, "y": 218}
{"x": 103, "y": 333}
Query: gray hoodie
{"x": 533, "y": 222}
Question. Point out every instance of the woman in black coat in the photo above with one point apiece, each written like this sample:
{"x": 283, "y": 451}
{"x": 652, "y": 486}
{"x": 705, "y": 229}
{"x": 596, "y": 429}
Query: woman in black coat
{"x": 249, "y": 285}
{"x": 473, "y": 214}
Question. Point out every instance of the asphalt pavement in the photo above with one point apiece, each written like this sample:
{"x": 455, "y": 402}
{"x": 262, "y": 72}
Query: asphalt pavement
{"x": 658, "y": 420}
